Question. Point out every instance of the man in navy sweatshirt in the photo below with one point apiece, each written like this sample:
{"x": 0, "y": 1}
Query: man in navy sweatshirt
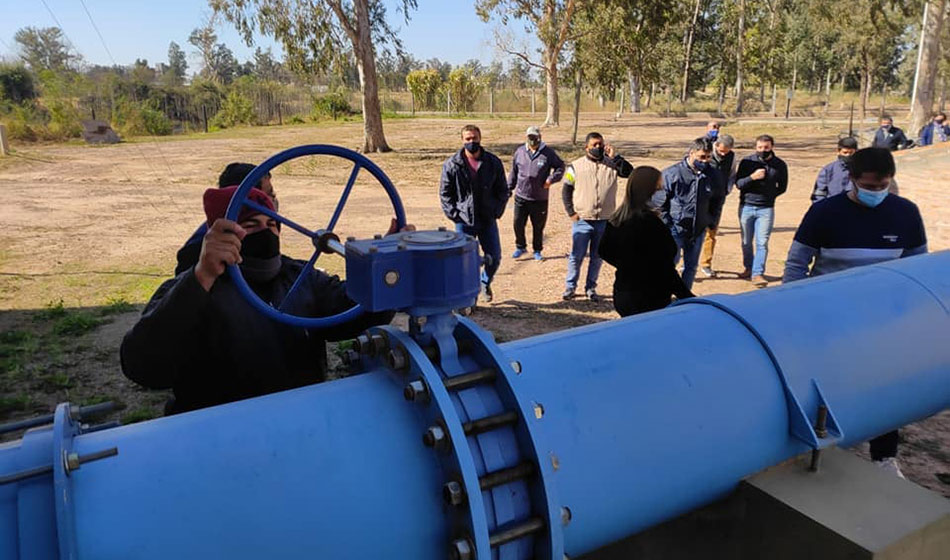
{"x": 864, "y": 225}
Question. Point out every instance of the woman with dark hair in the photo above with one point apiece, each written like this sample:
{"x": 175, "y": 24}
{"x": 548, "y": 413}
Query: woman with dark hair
{"x": 641, "y": 247}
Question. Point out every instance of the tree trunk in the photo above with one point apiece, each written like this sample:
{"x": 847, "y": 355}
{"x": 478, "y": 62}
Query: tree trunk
{"x": 722, "y": 98}
{"x": 762, "y": 92}
{"x": 943, "y": 93}
{"x": 669, "y": 99}
{"x": 621, "y": 101}
{"x": 689, "y": 50}
{"x": 491, "y": 101}
{"x": 865, "y": 91}
{"x": 827, "y": 90}
{"x": 373, "y": 138}
{"x": 883, "y": 98}
{"x": 412, "y": 103}
{"x": 553, "y": 116}
{"x": 741, "y": 32}
{"x": 774, "y": 100}
{"x": 928, "y": 63}
{"x": 635, "y": 93}
{"x": 577, "y": 105}
{"x": 532, "y": 101}
{"x": 651, "y": 94}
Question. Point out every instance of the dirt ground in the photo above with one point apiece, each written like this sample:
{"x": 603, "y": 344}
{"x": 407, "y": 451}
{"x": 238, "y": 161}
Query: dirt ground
{"x": 89, "y": 232}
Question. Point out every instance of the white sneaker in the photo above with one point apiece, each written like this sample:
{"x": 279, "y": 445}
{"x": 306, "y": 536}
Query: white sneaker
{"x": 890, "y": 465}
{"x": 708, "y": 272}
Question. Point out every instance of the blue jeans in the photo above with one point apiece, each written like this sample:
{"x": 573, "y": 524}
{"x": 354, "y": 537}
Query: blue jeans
{"x": 756, "y": 223}
{"x": 691, "y": 248}
{"x": 487, "y": 236}
{"x": 585, "y": 234}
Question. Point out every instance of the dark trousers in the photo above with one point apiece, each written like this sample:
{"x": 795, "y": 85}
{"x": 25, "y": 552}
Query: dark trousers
{"x": 537, "y": 210}
{"x": 884, "y": 446}
{"x": 630, "y": 303}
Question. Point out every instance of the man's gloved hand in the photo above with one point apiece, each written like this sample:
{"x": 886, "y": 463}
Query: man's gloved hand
{"x": 220, "y": 247}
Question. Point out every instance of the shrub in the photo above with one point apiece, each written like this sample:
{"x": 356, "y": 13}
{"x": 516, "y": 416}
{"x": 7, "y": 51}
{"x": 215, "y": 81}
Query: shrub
{"x": 425, "y": 86}
{"x": 236, "y": 109}
{"x": 332, "y": 105}
{"x": 64, "y": 120}
{"x": 156, "y": 123}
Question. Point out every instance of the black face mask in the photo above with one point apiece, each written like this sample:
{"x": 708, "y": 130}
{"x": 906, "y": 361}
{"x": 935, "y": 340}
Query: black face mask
{"x": 472, "y": 147}
{"x": 845, "y": 159}
{"x": 260, "y": 252}
{"x": 596, "y": 154}
{"x": 764, "y": 155}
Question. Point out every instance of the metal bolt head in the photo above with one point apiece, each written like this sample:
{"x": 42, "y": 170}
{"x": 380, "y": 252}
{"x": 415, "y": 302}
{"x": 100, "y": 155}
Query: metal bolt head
{"x": 401, "y": 247}
{"x": 416, "y": 390}
{"x": 442, "y": 228}
{"x": 378, "y": 236}
{"x": 396, "y": 358}
{"x": 434, "y": 436}
{"x": 452, "y": 493}
{"x": 379, "y": 344}
{"x": 363, "y": 345}
{"x": 565, "y": 516}
{"x": 462, "y": 549}
{"x": 350, "y": 239}
{"x": 419, "y": 321}
{"x": 71, "y": 461}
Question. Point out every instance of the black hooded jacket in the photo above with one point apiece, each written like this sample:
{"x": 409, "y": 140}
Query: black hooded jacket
{"x": 213, "y": 347}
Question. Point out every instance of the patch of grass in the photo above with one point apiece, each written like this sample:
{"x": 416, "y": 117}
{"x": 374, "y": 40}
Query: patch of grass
{"x": 140, "y": 414}
{"x": 116, "y": 305}
{"x": 54, "y": 310}
{"x": 14, "y": 403}
{"x": 75, "y": 323}
{"x": 53, "y": 382}
{"x": 98, "y": 399}
{"x": 16, "y": 346}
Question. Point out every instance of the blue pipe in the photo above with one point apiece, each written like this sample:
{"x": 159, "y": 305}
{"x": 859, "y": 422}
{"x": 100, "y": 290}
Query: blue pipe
{"x": 636, "y": 421}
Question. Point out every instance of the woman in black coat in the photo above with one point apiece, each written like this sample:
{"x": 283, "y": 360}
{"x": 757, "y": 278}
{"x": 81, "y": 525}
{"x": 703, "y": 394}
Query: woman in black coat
{"x": 641, "y": 247}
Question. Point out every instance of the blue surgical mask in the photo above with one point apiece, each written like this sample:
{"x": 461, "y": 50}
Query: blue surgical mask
{"x": 870, "y": 198}
{"x": 700, "y": 165}
{"x": 714, "y": 133}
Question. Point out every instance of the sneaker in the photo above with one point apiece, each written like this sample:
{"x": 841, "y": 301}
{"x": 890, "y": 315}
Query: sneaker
{"x": 708, "y": 272}
{"x": 592, "y": 296}
{"x": 517, "y": 253}
{"x": 890, "y": 465}
{"x": 487, "y": 294}
{"x": 568, "y": 295}
{"x": 538, "y": 256}
{"x": 745, "y": 274}
{"x": 759, "y": 281}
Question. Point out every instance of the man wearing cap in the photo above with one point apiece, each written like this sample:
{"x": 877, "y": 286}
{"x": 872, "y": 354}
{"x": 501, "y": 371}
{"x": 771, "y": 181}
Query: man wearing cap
{"x": 199, "y": 336}
{"x": 534, "y": 167}
{"x": 232, "y": 176}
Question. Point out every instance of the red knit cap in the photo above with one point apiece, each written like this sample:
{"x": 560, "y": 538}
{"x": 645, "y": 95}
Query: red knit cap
{"x": 216, "y": 203}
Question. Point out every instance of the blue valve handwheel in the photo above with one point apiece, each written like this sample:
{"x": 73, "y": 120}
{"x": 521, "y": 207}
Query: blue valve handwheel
{"x": 317, "y": 237}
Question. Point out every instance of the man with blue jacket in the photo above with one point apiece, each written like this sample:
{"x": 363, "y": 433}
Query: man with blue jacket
{"x": 835, "y": 178}
{"x": 474, "y": 194}
{"x": 935, "y": 131}
{"x": 762, "y": 177}
{"x": 690, "y": 202}
{"x": 534, "y": 167}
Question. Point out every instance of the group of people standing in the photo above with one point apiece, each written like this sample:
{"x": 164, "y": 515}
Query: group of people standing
{"x": 685, "y": 198}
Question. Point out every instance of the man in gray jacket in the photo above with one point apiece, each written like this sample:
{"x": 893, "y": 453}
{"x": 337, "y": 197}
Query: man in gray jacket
{"x": 534, "y": 168}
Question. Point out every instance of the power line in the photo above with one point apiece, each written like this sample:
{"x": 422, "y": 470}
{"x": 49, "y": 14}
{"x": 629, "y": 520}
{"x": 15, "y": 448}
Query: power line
{"x": 60, "y": 26}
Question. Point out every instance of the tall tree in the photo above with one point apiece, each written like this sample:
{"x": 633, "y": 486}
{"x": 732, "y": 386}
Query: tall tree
{"x": 45, "y": 48}
{"x": 690, "y": 34}
{"x": 739, "y": 47}
{"x": 177, "y": 65}
{"x": 313, "y": 34}
{"x": 928, "y": 61}
{"x": 550, "y": 20}
{"x": 204, "y": 39}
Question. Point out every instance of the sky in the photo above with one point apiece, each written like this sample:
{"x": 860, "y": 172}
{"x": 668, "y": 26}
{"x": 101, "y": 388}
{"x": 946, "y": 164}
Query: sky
{"x": 444, "y": 29}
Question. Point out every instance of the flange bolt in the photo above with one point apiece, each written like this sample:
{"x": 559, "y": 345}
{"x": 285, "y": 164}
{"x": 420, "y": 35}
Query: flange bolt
{"x": 462, "y": 549}
{"x": 452, "y": 493}
{"x": 416, "y": 391}
{"x": 434, "y": 436}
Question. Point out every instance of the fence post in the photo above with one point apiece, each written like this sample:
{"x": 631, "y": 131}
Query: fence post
{"x": 4, "y": 147}
{"x": 532, "y": 101}
{"x": 204, "y": 116}
{"x": 280, "y": 116}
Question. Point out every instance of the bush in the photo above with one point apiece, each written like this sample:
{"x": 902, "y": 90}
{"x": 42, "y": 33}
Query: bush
{"x": 64, "y": 120}
{"x": 332, "y": 105}
{"x": 236, "y": 109}
{"x": 156, "y": 123}
{"x": 16, "y": 83}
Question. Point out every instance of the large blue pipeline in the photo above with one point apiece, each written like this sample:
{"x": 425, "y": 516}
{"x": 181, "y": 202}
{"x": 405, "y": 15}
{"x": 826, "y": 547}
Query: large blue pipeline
{"x": 618, "y": 426}
{"x": 449, "y": 445}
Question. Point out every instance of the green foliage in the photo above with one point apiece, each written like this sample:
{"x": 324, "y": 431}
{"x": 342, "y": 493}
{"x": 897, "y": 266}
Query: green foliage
{"x": 140, "y": 414}
{"x": 237, "y": 109}
{"x": 116, "y": 305}
{"x": 64, "y": 120}
{"x": 75, "y": 323}
{"x": 16, "y": 83}
{"x": 44, "y": 48}
{"x": 425, "y": 86}
{"x": 331, "y": 105}
{"x": 464, "y": 87}
{"x": 14, "y": 403}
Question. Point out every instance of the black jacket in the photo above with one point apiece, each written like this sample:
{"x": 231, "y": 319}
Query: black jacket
{"x": 690, "y": 201}
{"x": 762, "y": 192}
{"x": 473, "y": 201}
{"x": 213, "y": 347}
{"x": 642, "y": 249}
{"x": 891, "y": 138}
